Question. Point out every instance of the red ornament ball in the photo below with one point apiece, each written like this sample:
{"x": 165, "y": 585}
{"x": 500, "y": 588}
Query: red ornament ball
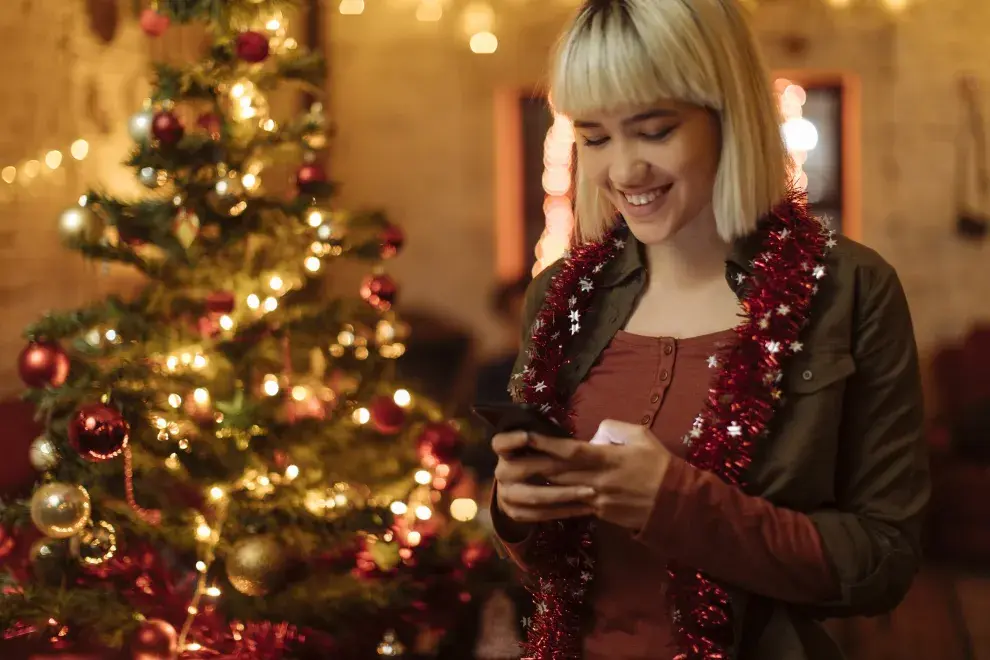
{"x": 252, "y": 47}
{"x": 98, "y": 432}
{"x": 379, "y": 291}
{"x": 210, "y": 123}
{"x": 167, "y": 128}
{"x": 155, "y": 639}
{"x": 220, "y": 302}
{"x": 153, "y": 24}
{"x": 43, "y": 364}
{"x": 386, "y": 415}
{"x": 392, "y": 239}
{"x": 309, "y": 177}
{"x": 439, "y": 443}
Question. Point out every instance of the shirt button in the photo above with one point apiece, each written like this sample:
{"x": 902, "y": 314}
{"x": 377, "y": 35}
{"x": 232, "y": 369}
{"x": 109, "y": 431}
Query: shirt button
{"x": 664, "y": 375}
{"x": 807, "y": 375}
{"x": 645, "y": 421}
{"x": 654, "y": 398}
{"x": 668, "y": 349}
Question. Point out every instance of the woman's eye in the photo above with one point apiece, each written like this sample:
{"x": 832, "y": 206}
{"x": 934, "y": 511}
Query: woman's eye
{"x": 594, "y": 141}
{"x": 659, "y": 135}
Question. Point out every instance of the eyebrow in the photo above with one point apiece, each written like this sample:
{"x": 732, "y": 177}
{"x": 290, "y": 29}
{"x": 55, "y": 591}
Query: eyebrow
{"x": 642, "y": 116}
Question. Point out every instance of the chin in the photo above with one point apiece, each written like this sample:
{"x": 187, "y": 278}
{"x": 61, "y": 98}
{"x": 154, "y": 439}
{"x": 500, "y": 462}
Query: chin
{"x": 654, "y": 229}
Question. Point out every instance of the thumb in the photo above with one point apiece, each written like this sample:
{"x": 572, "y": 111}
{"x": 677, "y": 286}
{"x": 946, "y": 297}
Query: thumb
{"x": 614, "y": 432}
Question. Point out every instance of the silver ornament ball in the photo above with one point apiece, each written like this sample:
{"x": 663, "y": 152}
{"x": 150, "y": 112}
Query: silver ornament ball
{"x": 43, "y": 455}
{"x": 139, "y": 126}
{"x": 79, "y": 224}
{"x": 152, "y": 178}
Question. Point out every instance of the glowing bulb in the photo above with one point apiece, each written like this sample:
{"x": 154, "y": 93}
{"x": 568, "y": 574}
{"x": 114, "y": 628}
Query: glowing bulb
{"x": 463, "y": 509}
{"x": 174, "y": 400}
{"x": 253, "y": 301}
{"x": 314, "y": 218}
{"x": 213, "y": 592}
{"x": 422, "y": 477}
{"x": 398, "y": 508}
{"x": 414, "y": 538}
{"x": 271, "y": 304}
{"x": 79, "y": 149}
{"x": 424, "y": 512}
{"x": 291, "y": 472}
{"x": 250, "y": 181}
{"x": 270, "y": 385}
{"x": 800, "y": 134}
{"x": 351, "y": 7}
{"x": 361, "y": 416}
{"x": 201, "y": 566}
{"x": 484, "y": 43}
{"x": 193, "y": 646}
{"x": 53, "y": 159}
{"x": 226, "y": 323}
{"x": 429, "y": 11}
{"x": 203, "y": 532}
{"x": 192, "y": 609}
{"x": 312, "y": 264}
{"x": 201, "y": 396}
{"x": 199, "y": 362}
{"x": 300, "y": 393}
{"x": 217, "y": 493}
{"x": 402, "y": 398}
{"x": 276, "y": 283}
{"x": 111, "y": 335}
{"x": 9, "y": 174}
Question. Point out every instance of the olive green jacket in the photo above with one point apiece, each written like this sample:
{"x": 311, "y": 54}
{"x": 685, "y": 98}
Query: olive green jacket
{"x": 847, "y": 445}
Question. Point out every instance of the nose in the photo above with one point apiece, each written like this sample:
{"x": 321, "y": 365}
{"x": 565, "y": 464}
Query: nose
{"x": 628, "y": 169}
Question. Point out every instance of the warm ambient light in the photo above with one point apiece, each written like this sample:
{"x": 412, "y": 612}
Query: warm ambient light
{"x": 484, "y": 43}
{"x": 351, "y": 7}
{"x": 557, "y": 208}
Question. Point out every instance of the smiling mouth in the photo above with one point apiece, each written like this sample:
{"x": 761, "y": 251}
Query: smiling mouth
{"x": 642, "y": 199}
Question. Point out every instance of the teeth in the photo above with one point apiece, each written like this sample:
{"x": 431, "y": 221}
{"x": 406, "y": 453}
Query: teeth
{"x": 644, "y": 198}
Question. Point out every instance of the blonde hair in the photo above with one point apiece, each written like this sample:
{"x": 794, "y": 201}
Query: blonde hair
{"x": 632, "y": 53}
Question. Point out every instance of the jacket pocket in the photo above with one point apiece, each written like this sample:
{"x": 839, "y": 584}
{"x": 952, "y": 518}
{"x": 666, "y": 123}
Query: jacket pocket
{"x": 818, "y": 370}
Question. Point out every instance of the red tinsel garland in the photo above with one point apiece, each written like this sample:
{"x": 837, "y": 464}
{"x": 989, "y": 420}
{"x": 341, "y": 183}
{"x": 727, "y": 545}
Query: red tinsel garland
{"x": 737, "y": 413}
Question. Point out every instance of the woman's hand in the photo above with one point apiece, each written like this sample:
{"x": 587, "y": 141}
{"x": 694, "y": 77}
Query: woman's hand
{"x": 625, "y": 470}
{"x": 521, "y": 500}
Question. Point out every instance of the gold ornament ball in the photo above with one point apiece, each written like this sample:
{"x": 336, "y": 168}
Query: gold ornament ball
{"x": 79, "y": 224}
{"x": 43, "y": 455}
{"x": 96, "y": 544}
{"x": 256, "y": 565}
{"x": 47, "y": 557}
{"x": 60, "y": 510}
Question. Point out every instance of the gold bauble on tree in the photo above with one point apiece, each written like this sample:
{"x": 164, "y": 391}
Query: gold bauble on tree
{"x": 95, "y": 544}
{"x": 60, "y": 510}
{"x": 256, "y": 565}
{"x": 79, "y": 224}
{"x": 48, "y": 560}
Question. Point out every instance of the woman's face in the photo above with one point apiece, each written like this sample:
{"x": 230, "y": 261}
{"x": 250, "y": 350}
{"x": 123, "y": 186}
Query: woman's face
{"x": 656, "y": 165}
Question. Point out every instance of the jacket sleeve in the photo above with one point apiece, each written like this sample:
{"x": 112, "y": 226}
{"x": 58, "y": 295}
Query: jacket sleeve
{"x": 872, "y": 538}
{"x": 510, "y": 543}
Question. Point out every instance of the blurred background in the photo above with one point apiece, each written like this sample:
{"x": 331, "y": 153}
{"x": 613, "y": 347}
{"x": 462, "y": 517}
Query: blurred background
{"x": 440, "y": 121}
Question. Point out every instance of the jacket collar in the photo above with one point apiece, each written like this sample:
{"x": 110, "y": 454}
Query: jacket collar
{"x": 632, "y": 259}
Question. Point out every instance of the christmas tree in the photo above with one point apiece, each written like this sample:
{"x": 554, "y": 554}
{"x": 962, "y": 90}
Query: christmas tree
{"x": 229, "y": 467}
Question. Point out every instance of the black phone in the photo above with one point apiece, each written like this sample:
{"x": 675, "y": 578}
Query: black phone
{"x": 506, "y": 417}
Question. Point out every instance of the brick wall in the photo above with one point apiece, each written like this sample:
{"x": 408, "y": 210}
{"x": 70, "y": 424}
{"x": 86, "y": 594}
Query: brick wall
{"x": 414, "y": 111}
{"x": 61, "y": 82}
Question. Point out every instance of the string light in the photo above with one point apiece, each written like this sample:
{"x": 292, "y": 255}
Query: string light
{"x": 800, "y": 135}
{"x": 557, "y": 205}
{"x": 463, "y": 509}
{"x": 402, "y": 398}
{"x": 29, "y": 169}
{"x": 351, "y": 7}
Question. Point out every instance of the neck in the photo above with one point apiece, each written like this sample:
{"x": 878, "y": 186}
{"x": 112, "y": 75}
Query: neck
{"x": 693, "y": 256}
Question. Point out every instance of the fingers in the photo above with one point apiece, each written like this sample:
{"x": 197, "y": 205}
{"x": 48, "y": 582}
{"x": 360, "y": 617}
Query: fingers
{"x": 591, "y": 479}
{"x": 505, "y": 444}
{"x": 523, "y": 468}
{"x": 527, "y": 496}
{"x": 574, "y": 452}
{"x": 530, "y": 515}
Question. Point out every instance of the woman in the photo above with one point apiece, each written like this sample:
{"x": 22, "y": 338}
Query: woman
{"x": 749, "y": 381}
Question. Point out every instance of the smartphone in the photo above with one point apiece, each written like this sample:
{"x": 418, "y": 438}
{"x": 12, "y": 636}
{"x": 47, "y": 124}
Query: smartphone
{"x": 506, "y": 417}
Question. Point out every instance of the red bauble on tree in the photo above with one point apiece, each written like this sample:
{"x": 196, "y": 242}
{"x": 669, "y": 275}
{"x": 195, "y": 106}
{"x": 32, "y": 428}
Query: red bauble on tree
{"x": 98, "y": 432}
{"x": 386, "y": 415}
{"x": 43, "y": 364}
{"x": 439, "y": 443}
{"x": 210, "y": 123}
{"x": 252, "y": 47}
{"x": 155, "y": 639}
{"x": 220, "y": 302}
{"x": 167, "y": 128}
{"x": 379, "y": 291}
{"x": 392, "y": 239}
{"x": 309, "y": 177}
{"x": 153, "y": 24}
